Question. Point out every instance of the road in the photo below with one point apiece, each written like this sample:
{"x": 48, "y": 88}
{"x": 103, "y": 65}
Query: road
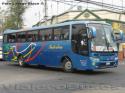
{"x": 15, "y": 79}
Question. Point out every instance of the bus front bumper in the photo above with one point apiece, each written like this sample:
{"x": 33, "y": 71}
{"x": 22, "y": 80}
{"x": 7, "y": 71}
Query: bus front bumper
{"x": 96, "y": 63}
{"x": 106, "y": 64}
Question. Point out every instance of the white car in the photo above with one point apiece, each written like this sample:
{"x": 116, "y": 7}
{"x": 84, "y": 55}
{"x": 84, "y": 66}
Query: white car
{"x": 1, "y": 40}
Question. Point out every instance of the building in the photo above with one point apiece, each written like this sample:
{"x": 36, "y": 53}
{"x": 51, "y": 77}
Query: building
{"x": 117, "y": 19}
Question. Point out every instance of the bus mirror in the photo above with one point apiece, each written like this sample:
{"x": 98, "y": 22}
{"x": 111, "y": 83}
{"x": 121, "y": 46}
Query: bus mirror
{"x": 92, "y": 32}
{"x": 119, "y": 35}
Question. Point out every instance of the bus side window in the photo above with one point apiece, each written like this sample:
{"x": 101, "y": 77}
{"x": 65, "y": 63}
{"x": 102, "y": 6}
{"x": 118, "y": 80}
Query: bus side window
{"x": 5, "y": 39}
{"x": 22, "y": 37}
{"x": 57, "y": 33}
{"x": 12, "y": 38}
{"x": 30, "y": 36}
{"x": 48, "y": 34}
{"x": 65, "y": 32}
{"x": 42, "y": 35}
{"x": 35, "y": 36}
{"x": 61, "y": 33}
{"x": 79, "y": 39}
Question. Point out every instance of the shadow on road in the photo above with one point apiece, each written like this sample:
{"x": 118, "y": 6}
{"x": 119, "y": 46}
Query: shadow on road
{"x": 99, "y": 72}
{"x": 96, "y": 72}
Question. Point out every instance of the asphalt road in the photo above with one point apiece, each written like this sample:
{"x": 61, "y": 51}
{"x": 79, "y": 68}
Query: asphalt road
{"x": 15, "y": 79}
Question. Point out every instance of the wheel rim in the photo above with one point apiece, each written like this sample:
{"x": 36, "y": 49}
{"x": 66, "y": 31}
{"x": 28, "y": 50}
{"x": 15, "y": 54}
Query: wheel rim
{"x": 68, "y": 65}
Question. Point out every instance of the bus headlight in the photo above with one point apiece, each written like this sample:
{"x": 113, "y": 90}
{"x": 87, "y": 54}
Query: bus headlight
{"x": 94, "y": 59}
{"x": 116, "y": 58}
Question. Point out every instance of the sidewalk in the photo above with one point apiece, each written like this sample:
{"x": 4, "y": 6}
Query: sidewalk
{"x": 122, "y": 62}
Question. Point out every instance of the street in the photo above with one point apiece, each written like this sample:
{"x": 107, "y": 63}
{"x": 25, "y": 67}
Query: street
{"x": 15, "y": 79}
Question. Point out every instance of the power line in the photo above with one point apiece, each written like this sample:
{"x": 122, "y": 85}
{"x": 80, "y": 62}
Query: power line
{"x": 120, "y": 8}
{"x": 64, "y": 2}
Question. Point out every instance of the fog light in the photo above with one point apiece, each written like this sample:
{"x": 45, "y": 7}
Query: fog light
{"x": 93, "y": 63}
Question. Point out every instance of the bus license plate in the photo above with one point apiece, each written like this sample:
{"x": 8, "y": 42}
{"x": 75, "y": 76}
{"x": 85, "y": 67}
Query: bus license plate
{"x": 108, "y": 63}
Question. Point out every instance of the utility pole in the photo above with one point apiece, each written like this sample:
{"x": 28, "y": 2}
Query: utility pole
{"x": 122, "y": 6}
{"x": 102, "y": 3}
{"x": 45, "y": 7}
{"x": 122, "y": 10}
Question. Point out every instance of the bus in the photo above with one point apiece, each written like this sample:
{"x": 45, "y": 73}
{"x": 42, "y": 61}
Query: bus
{"x": 80, "y": 45}
{"x": 1, "y": 41}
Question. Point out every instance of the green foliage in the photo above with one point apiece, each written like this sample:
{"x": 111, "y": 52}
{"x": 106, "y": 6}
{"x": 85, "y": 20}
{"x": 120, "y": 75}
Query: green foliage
{"x": 15, "y": 18}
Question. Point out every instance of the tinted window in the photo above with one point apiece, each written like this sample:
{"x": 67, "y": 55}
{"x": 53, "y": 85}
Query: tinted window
{"x": 21, "y": 36}
{"x": 5, "y": 40}
{"x": 42, "y": 35}
{"x": 32, "y": 36}
{"x": 79, "y": 39}
{"x": 35, "y": 35}
{"x": 46, "y": 35}
{"x": 61, "y": 33}
{"x": 65, "y": 32}
{"x": 11, "y": 38}
{"x": 29, "y": 36}
{"x": 57, "y": 33}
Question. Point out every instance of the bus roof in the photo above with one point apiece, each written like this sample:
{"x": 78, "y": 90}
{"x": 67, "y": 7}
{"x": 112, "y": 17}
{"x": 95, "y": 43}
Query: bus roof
{"x": 68, "y": 22}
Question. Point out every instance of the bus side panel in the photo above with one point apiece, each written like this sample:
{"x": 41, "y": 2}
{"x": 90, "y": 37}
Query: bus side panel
{"x": 81, "y": 62}
{"x": 8, "y": 52}
{"x": 32, "y": 52}
{"x": 12, "y": 51}
{"x": 45, "y": 53}
{"x": 54, "y": 51}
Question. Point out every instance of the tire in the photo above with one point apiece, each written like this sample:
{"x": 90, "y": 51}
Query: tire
{"x": 67, "y": 65}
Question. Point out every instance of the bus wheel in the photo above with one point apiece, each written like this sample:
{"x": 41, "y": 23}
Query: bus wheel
{"x": 67, "y": 65}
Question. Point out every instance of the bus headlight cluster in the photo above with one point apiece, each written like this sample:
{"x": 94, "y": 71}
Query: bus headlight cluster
{"x": 94, "y": 59}
{"x": 116, "y": 58}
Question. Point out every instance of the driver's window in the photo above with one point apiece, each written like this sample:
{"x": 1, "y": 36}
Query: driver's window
{"x": 79, "y": 39}
{"x": 83, "y": 40}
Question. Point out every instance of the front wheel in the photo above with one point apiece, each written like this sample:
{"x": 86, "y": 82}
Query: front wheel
{"x": 67, "y": 65}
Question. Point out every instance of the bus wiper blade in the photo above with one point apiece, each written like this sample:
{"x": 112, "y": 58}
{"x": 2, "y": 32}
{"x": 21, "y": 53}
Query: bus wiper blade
{"x": 109, "y": 45}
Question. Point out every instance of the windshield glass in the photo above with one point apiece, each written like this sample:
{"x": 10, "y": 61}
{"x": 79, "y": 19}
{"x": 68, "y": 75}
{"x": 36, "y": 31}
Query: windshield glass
{"x": 104, "y": 40}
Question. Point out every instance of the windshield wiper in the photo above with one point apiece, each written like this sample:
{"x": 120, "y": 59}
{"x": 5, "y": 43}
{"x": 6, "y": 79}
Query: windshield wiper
{"x": 106, "y": 42}
{"x": 109, "y": 45}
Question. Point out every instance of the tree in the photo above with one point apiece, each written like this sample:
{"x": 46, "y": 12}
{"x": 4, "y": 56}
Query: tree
{"x": 15, "y": 16}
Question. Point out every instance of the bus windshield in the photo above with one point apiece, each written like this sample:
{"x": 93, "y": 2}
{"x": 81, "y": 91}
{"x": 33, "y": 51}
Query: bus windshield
{"x": 104, "y": 40}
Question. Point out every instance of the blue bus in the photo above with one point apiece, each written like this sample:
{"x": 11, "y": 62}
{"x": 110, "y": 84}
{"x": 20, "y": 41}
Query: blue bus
{"x": 81, "y": 45}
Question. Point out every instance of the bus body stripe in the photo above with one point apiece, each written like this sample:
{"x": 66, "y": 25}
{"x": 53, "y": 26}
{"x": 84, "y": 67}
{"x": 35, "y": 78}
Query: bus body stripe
{"x": 36, "y": 54}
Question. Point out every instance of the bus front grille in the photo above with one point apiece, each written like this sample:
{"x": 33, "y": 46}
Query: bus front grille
{"x": 100, "y": 65}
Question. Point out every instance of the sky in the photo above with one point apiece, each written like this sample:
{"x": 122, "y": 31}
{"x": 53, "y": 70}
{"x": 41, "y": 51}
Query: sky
{"x": 36, "y": 12}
